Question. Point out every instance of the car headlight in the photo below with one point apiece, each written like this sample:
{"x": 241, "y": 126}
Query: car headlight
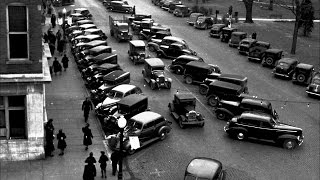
{"x": 157, "y": 79}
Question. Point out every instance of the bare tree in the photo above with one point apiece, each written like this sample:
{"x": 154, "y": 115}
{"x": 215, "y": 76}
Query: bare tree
{"x": 248, "y": 4}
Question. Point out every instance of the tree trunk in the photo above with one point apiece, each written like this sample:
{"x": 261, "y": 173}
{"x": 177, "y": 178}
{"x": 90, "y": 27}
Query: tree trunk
{"x": 270, "y": 5}
{"x": 248, "y": 4}
{"x": 296, "y": 27}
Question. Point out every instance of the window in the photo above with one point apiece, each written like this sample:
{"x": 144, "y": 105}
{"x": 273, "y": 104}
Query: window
{"x": 18, "y": 36}
{"x": 12, "y": 117}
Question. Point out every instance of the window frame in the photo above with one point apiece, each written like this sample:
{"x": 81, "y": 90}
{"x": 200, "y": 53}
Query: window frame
{"x": 18, "y": 33}
{"x": 6, "y": 108}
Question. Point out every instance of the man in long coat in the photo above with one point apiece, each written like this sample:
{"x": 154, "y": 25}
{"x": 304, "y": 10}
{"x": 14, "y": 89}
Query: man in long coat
{"x": 86, "y": 107}
{"x": 87, "y": 136}
{"x": 49, "y": 129}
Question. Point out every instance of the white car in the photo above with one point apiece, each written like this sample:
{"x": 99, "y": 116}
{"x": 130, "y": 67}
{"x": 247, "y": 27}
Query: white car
{"x": 117, "y": 93}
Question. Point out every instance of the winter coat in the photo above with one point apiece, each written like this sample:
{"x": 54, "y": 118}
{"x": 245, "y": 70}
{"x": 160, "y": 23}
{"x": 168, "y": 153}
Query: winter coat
{"x": 89, "y": 172}
{"x": 60, "y": 46}
{"x": 61, "y": 141}
{"x": 56, "y": 66}
{"x": 65, "y": 61}
{"x": 103, "y": 161}
{"x": 87, "y": 136}
{"x": 86, "y": 106}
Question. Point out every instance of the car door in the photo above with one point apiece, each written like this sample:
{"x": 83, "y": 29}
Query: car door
{"x": 147, "y": 131}
{"x": 252, "y": 127}
{"x": 267, "y": 132}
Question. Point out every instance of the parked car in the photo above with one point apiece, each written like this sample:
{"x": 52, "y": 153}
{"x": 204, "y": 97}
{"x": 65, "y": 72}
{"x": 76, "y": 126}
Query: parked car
{"x": 148, "y": 126}
{"x": 271, "y": 56}
{"x": 84, "y": 11}
{"x": 97, "y": 32}
{"x": 173, "y": 5}
{"x": 193, "y": 18}
{"x": 154, "y": 31}
{"x": 126, "y": 107}
{"x": 85, "y": 55}
{"x": 120, "y": 6}
{"x": 85, "y": 21}
{"x": 87, "y": 26}
{"x": 264, "y": 127}
{"x": 257, "y": 50}
{"x": 203, "y": 168}
{"x": 138, "y": 26}
{"x": 226, "y": 33}
{"x": 138, "y": 17}
{"x": 136, "y": 51}
{"x": 178, "y": 65}
{"x": 181, "y": 11}
{"x": 102, "y": 58}
{"x": 174, "y": 50}
{"x": 303, "y": 73}
{"x": 285, "y": 67}
{"x": 236, "y": 38}
{"x": 70, "y": 29}
{"x": 245, "y": 45}
{"x": 219, "y": 90}
{"x": 197, "y": 72}
{"x": 155, "y": 44}
{"x": 216, "y": 30}
{"x": 119, "y": 29}
{"x": 313, "y": 88}
{"x": 77, "y": 17}
{"x": 153, "y": 74}
{"x": 204, "y": 22}
{"x": 228, "y": 109}
{"x": 183, "y": 110}
{"x": 84, "y": 39}
{"x": 230, "y": 78}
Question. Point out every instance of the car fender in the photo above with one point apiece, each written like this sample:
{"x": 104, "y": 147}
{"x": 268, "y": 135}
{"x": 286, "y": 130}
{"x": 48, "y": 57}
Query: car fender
{"x": 234, "y": 129}
{"x": 164, "y": 128}
{"x": 142, "y": 34}
{"x": 286, "y": 136}
{"x": 153, "y": 81}
{"x": 155, "y": 45}
{"x": 225, "y": 111}
{"x": 169, "y": 80}
{"x": 204, "y": 86}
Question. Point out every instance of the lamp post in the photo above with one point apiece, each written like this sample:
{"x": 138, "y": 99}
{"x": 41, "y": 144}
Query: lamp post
{"x": 122, "y": 122}
{"x": 64, "y": 11}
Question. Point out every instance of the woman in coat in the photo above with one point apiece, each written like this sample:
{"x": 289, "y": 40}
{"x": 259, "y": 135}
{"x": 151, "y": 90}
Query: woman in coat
{"x": 65, "y": 62}
{"x": 87, "y": 136}
{"x": 56, "y": 66}
{"x": 61, "y": 142}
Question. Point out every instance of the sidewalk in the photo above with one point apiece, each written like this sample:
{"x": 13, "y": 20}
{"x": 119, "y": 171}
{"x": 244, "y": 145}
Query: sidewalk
{"x": 64, "y": 97}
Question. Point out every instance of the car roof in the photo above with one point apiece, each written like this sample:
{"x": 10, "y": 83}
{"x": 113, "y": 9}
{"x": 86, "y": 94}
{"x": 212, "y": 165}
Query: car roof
{"x": 181, "y": 5}
{"x": 76, "y": 14}
{"x": 227, "y": 28}
{"x": 107, "y": 65}
{"x": 102, "y": 56}
{"x": 89, "y": 36}
{"x": 77, "y": 32}
{"x": 305, "y": 66}
{"x": 199, "y": 64}
{"x": 122, "y": 24}
{"x": 288, "y": 60}
{"x": 92, "y": 30}
{"x": 239, "y": 33}
{"x": 184, "y": 96}
{"x": 138, "y": 43}
{"x": 218, "y": 25}
{"x": 84, "y": 21}
{"x": 274, "y": 50}
{"x": 256, "y": 116}
{"x": 154, "y": 62}
{"x": 233, "y": 76}
{"x": 124, "y": 87}
{"x": 195, "y": 58}
{"x": 146, "y": 117}
{"x": 80, "y": 9}
{"x": 95, "y": 42}
{"x": 173, "y": 38}
{"x": 249, "y": 40}
{"x": 100, "y": 48}
{"x": 226, "y": 85}
{"x": 115, "y": 74}
{"x": 204, "y": 167}
{"x": 132, "y": 99}
{"x": 257, "y": 102}
{"x": 262, "y": 42}
{"x": 87, "y": 25}
{"x": 117, "y": 2}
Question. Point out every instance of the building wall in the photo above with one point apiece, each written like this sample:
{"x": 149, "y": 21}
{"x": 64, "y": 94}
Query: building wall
{"x": 35, "y": 39}
{"x": 33, "y": 146}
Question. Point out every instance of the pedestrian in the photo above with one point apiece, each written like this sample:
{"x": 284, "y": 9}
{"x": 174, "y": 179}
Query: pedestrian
{"x": 103, "y": 164}
{"x": 45, "y": 37}
{"x": 49, "y": 130}
{"x": 58, "y": 35}
{"x": 254, "y": 35}
{"x": 65, "y": 61}
{"x": 52, "y": 48}
{"x": 133, "y": 11}
{"x": 87, "y": 136}
{"x": 86, "y": 107}
{"x": 115, "y": 156}
{"x": 60, "y": 46}
{"x": 90, "y": 169}
{"x": 61, "y": 142}
{"x": 56, "y": 66}
{"x": 51, "y": 37}
{"x": 53, "y": 20}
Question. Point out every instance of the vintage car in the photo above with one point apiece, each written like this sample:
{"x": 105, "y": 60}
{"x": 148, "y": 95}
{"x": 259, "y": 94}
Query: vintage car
{"x": 119, "y": 29}
{"x": 97, "y": 32}
{"x": 159, "y": 35}
{"x": 303, "y": 73}
{"x": 138, "y": 26}
{"x": 236, "y": 38}
{"x": 182, "y": 11}
{"x": 263, "y": 126}
{"x": 173, "y": 6}
{"x": 245, "y": 45}
{"x": 178, "y": 65}
{"x": 204, "y": 22}
{"x": 94, "y": 51}
{"x": 87, "y": 26}
{"x": 136, "y": 51}
{"x": 154, "y": 30}
{"x": 148, "y": 126}
{"x": 110, "y": 58}
{"x": 313, "y": 88}
{"x": 70, "y": 29}
{"x": 285, "y": 68}
{"x": 153, "y": 74}
{"x": 203, "y": 168}
{"x": 84, "y": 11}
{"x": 120, "y": 6}
{"x": 110, "y": 80}
{"x": 84, "y": 39}
{"x": 219, "y": 90}
{"x": 85, "y": 21}
{"x": 226, "y": 33}
{"x": 77, "y": 17}
{"x": 155, "y": 44}
{"x": 126, "y": 107}
{"x": 228, "y": 109}
{"x": 183, "y": 110}
{"x": 271, "y": 56}
{"x": 75, "y": 34}
{"x": 174, "y": 50}
{"x": 216, "y": 30}
{"x": 197, "y": 72}
{"x": 138, "y": 17}
{"x": 257, "y": 50}
{"x": 193, "y": 18}
{"x": 230, "y": 78}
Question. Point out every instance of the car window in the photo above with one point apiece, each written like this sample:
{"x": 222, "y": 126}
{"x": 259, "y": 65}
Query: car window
{"x": 148, "y": 125}
{"x": 137, "y": 90}
{"x": 265, "y": 125}
{"x": 250, "y": 122}
{"x": 158, "y": 121}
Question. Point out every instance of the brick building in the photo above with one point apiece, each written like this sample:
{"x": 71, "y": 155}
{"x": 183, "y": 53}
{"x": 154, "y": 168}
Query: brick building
{"x": 23, "y": 74}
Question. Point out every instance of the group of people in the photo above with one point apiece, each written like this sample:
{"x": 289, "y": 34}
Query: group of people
{"x": 61, "y": 137}
{"x": 56, "y": 65}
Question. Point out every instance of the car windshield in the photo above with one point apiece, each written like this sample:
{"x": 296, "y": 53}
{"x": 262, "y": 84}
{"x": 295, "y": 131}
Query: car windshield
{"x": 123, "y": 28}
{"x": 191, "y": 177}
{"x": 134, "y": 124}
{"x": 140, "y": 48}
{"x": 273, "y": 122}
{"x": 283, "y": 64}
{"x": 115, "y": 94}
{"x": 201, "y": 18}
{"x": 245, "y": 43}
{"x": 109, "y": 82}
{"x": 316, "y": 81}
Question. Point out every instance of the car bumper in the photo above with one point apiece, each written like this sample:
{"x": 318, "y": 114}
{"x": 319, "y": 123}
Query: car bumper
{"x": 254, "y": 58}
{"x": 193, "y": 122}
{"x": 191, "y": 23}
{"x": 300, "y": 141}
{"x": 313, "y": 93}
{"x": 214, "y": 35}
{"x": 226, "y": 128}
{"x": 280, "y": 74}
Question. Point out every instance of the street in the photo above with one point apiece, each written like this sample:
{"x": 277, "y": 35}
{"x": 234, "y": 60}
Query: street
{"x": 167, "y": 160}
